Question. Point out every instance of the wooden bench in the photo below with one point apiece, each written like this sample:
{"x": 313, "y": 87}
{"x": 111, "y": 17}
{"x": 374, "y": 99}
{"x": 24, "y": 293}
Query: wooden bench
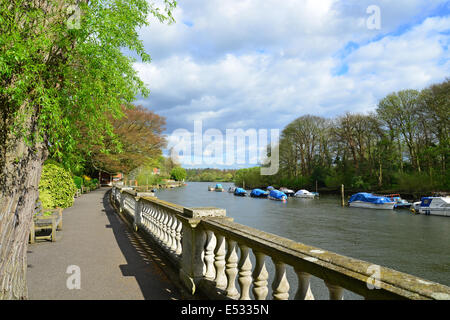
{"x": 42, "y": 222}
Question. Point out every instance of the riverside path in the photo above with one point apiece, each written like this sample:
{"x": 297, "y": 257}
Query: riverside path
{"x": 96, "y": 245}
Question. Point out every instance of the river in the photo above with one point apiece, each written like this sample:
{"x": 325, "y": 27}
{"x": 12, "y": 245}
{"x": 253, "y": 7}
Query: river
{"x": 414, "y": 244}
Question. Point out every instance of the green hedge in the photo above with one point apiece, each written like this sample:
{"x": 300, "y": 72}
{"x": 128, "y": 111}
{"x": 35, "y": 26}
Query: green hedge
{"x": 57, "y": 187}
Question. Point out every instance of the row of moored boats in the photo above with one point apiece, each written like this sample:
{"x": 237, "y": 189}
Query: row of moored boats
{"x": 439, "y": 206}
{"x": 270, "y": 193}
{"x": 427, "y": 205}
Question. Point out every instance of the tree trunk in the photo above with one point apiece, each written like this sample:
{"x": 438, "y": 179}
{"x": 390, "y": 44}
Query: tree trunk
{"x": 21, "y": 166}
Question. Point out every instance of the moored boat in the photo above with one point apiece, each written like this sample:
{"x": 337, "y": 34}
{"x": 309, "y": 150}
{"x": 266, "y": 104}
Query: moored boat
{"x": 437, "y": 206}
{"x": 288, "y": 192}
{"x": 240, "y": 192}
{"x": 305, "y": 194}
{"x": 219, "y": 188}
{"x": 231, "y": 189}
{"x": 371, "y": 201}
{"x": 277, "y": 195}
{"x": 399, "y": 202}
{"x": 210, "y": 188}
{"x": 258, "y": 193}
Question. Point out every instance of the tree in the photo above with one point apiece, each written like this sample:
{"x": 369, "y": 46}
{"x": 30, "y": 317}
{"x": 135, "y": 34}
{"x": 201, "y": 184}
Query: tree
{"x": 178, "y": 174}
{"x": 137, "y": 141}
{"x": 57, "y": 76}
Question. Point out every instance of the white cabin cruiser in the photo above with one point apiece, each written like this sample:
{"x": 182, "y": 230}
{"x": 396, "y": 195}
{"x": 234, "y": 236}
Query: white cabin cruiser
{"x": 304, "y": 194}
{"x": 437, "y": 206}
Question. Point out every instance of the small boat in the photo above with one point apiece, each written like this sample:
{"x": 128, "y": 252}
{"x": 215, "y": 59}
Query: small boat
{"x": 211, "y": 188}
{"x": 240, "y": 192}
{"x": 399, "y": 202}
{"x": 231, "y": 189}
{"x": 369, "y": 200}
{"x": 258, "y": 193}
{"x": 437, "y": 206}
{"x": 288, "y": 192}
{"x": 219, "y": 188}
{"x": 277, "y": 195}
{"x": 305, "y": 194}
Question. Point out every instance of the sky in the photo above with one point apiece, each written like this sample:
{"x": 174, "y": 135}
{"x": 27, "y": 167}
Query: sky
{"x": 260, "y": 64}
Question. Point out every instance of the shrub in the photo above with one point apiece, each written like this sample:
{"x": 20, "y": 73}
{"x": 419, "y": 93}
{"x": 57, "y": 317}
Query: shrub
{"x": 178, "y": 174}
{"x": 78, "y": 181}
{"x": 57, "y": 183}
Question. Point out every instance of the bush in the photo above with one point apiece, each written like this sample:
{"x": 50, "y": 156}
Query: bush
{"x": 178, "y": 174}
{"x": 78, "y": 181}
{"x": 57, "y": 187}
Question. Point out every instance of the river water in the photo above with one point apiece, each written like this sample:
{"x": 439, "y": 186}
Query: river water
{"x": 414, "y": 244}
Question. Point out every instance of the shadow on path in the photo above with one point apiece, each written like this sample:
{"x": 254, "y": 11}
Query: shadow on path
{"x": 152, "y": 281}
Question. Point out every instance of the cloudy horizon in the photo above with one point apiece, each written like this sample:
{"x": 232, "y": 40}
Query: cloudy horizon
{"x": 262, "y": 64}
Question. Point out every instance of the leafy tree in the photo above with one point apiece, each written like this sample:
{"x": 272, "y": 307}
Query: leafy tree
{"x": 178, "y": 174}
{"x": 137, "y": 141}
{"x": 57, "y": 75}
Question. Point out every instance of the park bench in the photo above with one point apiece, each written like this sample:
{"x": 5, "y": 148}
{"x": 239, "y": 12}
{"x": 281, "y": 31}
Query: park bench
{"x": 41, "y": 222}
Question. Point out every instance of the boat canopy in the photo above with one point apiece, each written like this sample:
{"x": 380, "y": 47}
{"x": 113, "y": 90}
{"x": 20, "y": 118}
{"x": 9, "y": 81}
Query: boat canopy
{"x": 368, "y": 197}
{"x": 278, "y": 195}
{"x": 219, "y": 186}
{"x": 258, "y": 192}
{"x": 303, "y": 191}
{"x": 239, "y": 191}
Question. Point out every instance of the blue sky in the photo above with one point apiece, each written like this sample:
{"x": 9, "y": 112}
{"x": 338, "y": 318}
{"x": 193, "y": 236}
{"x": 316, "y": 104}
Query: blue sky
{"x": 260, "y": 64}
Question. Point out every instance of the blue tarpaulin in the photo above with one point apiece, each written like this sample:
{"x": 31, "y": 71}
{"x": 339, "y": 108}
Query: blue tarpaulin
{"x": 258, "y": 193}
{"x": 277, "y": 195}
{"x": 368, "y": 197}
{"x": 219, "y": 186}
{"x": 240, "y": 191}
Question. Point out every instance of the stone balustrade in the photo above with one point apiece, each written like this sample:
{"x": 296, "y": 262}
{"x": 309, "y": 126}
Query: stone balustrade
{"x": 227, "y": 260}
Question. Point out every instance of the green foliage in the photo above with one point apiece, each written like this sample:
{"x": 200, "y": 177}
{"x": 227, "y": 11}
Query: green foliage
{"x": 71, "y": 79}
{"x": 56, "y": 186}
{"x": 46, "y": 199}
{"x": 178, "y": 174}
{"x": 208, "y": 175}
{"x": 78, "y": 181}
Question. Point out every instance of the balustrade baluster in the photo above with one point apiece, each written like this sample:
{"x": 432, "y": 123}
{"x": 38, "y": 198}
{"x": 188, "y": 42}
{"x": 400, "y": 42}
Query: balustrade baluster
{"x": 336, "y": 292}
{"x": 173, "y": 233}
{"x": 219, "y": 262}
{"x": 178, "y": 237}
{"x": 280, "y": 285}
{"x": 245, "y": 272}
{"x": 260, "y": 276}
{"x": 168, "y": 223}
{"x": 304, "y": 287}
{"x": 231, "y": 269}
{"x": 209, "y": 255}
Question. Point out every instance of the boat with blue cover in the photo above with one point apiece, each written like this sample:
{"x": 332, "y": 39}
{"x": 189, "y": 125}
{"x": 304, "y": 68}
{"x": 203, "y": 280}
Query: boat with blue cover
{"x": 369, "y": 200}
{"x": 258, "y": 193}
{"x": 277, "y": 195}
{"x": 240, "y": 192}
{"x": 219, "y": 188}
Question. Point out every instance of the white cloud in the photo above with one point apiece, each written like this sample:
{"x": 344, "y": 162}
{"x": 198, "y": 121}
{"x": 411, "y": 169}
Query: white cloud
{"x": 261, "y": 64}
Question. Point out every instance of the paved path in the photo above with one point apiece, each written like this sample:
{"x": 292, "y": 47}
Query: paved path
{"x": 113, "y": 263}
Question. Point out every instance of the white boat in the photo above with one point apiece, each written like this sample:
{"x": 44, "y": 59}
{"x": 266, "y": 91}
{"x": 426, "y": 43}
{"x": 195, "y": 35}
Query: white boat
{"x": 304, "y": 194}
{"x": 370, "y": 201}
{"x": 437, "y": 206}
{"x": 288, "y": 192}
